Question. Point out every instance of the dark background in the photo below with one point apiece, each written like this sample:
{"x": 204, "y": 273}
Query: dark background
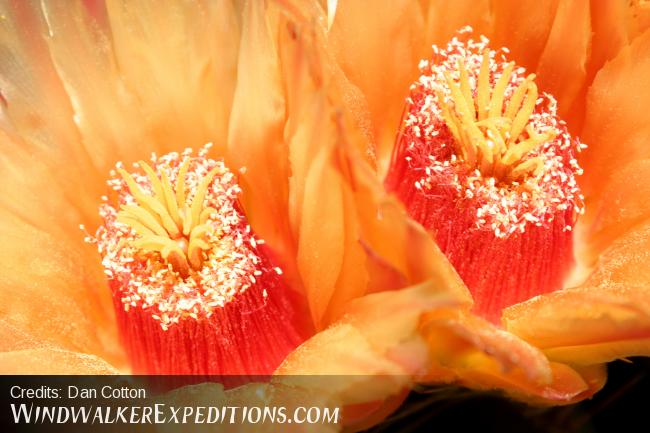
{"x": 623, "y": 405}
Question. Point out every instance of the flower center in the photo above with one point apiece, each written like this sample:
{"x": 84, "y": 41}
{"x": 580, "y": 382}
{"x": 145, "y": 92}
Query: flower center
{"x": 195, "y": 290}
{"x": 485, "y": 164}
{"x": 168, "y": 222}
{"x": 490, "y": 134}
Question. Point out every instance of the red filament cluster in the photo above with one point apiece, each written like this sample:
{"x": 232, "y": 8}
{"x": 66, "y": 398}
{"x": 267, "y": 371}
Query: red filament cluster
{"x": 195, "y": 291}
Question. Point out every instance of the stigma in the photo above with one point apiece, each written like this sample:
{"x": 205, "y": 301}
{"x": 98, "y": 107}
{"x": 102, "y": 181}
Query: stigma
{"x": 484, "y": 163}
{"x": 195, "y": 291}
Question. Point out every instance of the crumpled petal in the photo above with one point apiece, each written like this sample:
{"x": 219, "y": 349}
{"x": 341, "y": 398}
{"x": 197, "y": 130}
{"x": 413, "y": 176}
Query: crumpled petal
{"x": 606, "y": 318}
{"x": 471, "y": 351}
{"x": 362, "y": 356}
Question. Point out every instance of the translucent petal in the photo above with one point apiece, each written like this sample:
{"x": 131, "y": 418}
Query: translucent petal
{"x": 468, "y": 350}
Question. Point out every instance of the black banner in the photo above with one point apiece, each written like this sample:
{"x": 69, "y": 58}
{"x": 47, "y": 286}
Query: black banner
{"x": 168, "y": 403}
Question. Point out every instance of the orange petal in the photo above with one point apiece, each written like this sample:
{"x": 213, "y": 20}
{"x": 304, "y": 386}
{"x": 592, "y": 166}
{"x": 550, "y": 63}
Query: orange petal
{"x": 444, "y": 18}
{"x": 322, "y": 237}
{"x": 606, "y": 318}
{"x": 614, "y": 25}
{"x": 255, "y": 138}
{"x": 562, "y": 64}
{"x": 616, "y": 128}
{"x": 625, "y": 262}
{"x": 53, "y": 287}
{"x": 36, "y": 110}
{"x": 610, "y": 33}
{"x": 383, "y": 71}
{"x": 178, "y": 64}
{"x": 523, "y": 27}
{"x": 623, "y": 205}
{"x": 587, "y": 325}
{"x": 471, "y": 351}
{"x": 638, "y": 17}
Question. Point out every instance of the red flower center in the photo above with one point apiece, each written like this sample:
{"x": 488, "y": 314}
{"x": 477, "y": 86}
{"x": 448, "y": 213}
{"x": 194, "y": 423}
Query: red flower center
{"x": 194, "y": 290}
{"x": 485, "y": 164}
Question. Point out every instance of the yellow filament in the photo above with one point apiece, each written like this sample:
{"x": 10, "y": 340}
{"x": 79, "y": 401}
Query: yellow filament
{"x": 165, "y": 222}
{"x": 170, "y": 198}
{"x": 180, "y": 182}
{"x": 518, "y": 96}
{"x": 499, "y": 91}
{"x": 483, "y": 90}
{"x": 521, "y": 118}
{"x": 488, "y": 132}
{"x": 145, "y": 217}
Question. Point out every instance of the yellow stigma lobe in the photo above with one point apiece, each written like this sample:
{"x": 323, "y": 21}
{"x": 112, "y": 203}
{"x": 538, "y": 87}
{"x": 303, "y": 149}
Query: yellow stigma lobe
{"x": 492, "y": 132}
{"x": 167, "y": 222}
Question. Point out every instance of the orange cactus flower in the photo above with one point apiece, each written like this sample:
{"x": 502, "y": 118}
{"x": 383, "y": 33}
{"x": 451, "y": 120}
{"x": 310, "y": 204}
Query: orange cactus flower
{"x": 272, "y": 251}
{"x": 280, "y": 248}
{"x": 488, "y": 159}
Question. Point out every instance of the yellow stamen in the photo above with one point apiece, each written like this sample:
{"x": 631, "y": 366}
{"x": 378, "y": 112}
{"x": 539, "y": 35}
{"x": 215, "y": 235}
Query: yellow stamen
{"x": 166, "y": 222}
{"x": 490, "y": 133}
{"x": 483, "y": 90}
